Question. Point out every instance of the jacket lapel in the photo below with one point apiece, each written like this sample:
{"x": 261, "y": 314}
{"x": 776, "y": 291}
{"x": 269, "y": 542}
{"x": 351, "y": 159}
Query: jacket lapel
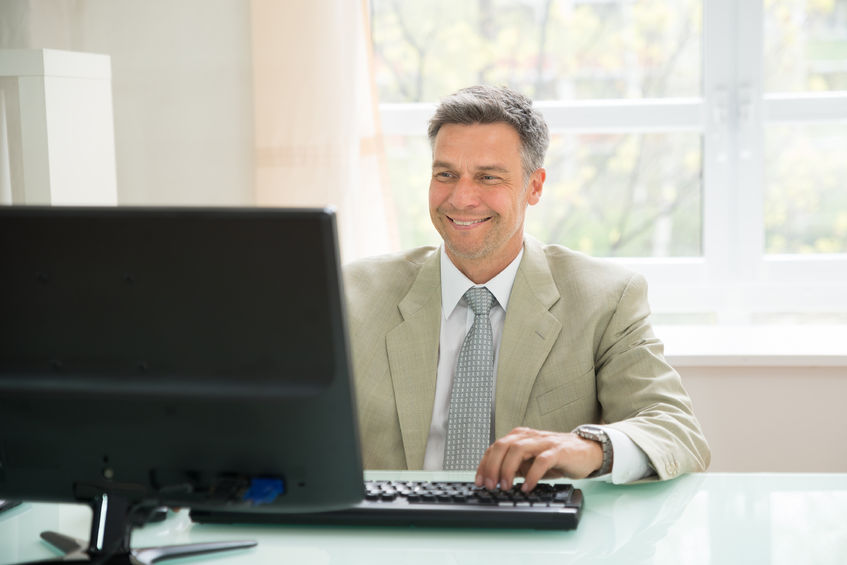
{"x": 413, "y": 359}
{"x": 529, "y": 332}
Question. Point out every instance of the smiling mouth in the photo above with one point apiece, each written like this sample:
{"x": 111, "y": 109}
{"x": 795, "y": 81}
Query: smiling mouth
{"x": 468, "y": 222}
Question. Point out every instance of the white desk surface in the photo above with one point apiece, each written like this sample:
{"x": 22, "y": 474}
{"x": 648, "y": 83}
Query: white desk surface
{"x": 695, "y": 519}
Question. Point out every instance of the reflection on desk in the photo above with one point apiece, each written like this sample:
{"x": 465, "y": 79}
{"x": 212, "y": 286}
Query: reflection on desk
{"x": 696, "y": 519}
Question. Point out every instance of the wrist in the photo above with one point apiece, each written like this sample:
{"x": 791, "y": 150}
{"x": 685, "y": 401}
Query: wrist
{"x": 598, "y": 435}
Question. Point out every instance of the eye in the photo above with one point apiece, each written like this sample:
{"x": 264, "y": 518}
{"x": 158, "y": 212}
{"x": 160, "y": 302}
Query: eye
{"x": 490, "y": 179}
{"x": 443, "y": 175}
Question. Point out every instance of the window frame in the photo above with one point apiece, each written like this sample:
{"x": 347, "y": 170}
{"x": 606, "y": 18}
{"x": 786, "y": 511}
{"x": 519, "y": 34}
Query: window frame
{"x": 734, "y": 278}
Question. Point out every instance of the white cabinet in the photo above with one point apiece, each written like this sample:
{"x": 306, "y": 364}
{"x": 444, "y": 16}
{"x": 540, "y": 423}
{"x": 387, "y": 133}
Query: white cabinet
{"x": 57, "y": 140}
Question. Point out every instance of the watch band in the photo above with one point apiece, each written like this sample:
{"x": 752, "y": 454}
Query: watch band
{"x": 598, "y": 434}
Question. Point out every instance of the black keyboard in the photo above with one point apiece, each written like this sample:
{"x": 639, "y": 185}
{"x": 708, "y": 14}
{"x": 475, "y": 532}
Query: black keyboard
{"x": 435, "y": 504}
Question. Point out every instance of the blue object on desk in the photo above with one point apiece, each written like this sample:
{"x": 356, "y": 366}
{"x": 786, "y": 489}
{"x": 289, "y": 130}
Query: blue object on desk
{"x": 264, "y": 491}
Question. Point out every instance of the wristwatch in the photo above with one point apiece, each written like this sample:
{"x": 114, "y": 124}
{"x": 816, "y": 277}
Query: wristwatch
{"x": 596, "y": 433}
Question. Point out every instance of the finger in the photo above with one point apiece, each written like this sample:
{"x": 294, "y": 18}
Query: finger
{"x": 541, "y": 465}
{"x": 524, "y": 468}
{"x": 487, "y": 473}
{"x": 519, "y": 455}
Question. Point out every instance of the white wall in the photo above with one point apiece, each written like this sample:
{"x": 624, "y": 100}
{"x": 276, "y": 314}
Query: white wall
{"x": 182, "y": 89}
{"x": 776, "y": 419}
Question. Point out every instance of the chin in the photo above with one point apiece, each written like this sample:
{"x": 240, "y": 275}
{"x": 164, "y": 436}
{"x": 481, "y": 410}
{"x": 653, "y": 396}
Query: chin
{"x": 466, "y": 252}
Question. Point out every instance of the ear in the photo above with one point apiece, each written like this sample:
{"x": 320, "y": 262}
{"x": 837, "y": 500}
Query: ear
{"x": 535, "y": 186}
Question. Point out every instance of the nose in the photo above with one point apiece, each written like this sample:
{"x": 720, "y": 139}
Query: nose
{"x": 465, "y": 194}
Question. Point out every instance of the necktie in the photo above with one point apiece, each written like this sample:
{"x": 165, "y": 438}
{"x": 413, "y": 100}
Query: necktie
{"x": 469, "y": 414}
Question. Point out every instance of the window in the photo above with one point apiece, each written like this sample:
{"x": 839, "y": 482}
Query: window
{"x": 700, "y": 143}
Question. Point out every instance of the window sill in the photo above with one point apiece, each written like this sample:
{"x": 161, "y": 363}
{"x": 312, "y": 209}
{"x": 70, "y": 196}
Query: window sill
{"x": 755, "y": 345}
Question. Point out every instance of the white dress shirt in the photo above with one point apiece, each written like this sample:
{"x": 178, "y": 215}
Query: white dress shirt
{"x": 630, "y": 463}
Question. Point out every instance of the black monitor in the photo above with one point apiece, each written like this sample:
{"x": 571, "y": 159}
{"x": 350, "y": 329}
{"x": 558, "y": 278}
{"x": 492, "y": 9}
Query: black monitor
{"x": 183, "y": 357}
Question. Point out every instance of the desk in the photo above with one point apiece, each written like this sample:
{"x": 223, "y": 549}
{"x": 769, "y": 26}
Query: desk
{"x": 695, "y": 519}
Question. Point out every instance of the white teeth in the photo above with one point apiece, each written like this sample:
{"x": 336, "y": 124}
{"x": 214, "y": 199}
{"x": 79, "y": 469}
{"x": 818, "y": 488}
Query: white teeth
{"x": 472, "y": 222}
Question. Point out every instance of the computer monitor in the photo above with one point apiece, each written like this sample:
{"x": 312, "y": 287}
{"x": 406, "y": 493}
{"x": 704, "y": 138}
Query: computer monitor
{"x": 188, "y": 357}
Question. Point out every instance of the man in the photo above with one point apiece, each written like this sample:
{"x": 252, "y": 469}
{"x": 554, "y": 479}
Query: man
{"x": 496, "y": 337}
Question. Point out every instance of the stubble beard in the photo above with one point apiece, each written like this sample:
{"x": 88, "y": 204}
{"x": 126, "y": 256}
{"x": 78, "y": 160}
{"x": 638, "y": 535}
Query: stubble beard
{"x": 492, "y": 241}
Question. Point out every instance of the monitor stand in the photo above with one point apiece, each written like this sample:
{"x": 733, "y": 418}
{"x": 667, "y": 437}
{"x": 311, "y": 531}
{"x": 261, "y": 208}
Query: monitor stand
{"x": 111, "y": 528}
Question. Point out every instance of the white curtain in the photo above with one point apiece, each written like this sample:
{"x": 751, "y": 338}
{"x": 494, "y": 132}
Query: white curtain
{"x": 229, "y": 102}
{"x": 317, "y": 133}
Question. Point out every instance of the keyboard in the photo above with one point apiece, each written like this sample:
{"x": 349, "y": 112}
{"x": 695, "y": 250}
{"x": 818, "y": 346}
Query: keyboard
{"x": 435, "y": 504}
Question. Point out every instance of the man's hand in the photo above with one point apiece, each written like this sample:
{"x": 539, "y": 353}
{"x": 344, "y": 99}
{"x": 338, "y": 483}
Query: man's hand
{"x": 536, "y": 454}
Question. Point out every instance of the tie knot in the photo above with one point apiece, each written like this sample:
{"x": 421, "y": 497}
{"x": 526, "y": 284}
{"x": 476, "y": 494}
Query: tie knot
{"x": 480, "y": 299}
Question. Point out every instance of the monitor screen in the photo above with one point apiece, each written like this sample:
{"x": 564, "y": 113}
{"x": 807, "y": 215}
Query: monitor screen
{"x": 177, "y": 356}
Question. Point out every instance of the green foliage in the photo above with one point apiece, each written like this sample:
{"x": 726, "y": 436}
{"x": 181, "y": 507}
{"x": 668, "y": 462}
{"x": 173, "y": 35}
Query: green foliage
{"x": 544, "y": 48}
{"x": 805, "y": 45}
{"x": 409, "y": 166}
{"x": 635, "y": 195}
{"x": 806, "y": 180}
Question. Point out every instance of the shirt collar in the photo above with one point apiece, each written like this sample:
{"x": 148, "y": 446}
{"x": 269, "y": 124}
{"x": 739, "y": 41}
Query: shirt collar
{"x": 454, "y": 284}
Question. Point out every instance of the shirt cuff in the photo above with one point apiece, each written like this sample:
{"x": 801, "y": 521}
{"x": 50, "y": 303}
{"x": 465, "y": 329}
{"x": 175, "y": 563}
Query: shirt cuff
{"x": 630, "y": 463}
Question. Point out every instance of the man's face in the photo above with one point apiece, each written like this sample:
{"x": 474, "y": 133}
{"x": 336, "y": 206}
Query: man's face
{"x": 477, "y": 194}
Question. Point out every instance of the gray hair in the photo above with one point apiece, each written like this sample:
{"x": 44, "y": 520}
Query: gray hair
{"x": 484, "y": 104}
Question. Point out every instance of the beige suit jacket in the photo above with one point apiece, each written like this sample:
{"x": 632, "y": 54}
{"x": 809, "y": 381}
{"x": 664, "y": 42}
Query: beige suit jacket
{"x": 576, "y": 348}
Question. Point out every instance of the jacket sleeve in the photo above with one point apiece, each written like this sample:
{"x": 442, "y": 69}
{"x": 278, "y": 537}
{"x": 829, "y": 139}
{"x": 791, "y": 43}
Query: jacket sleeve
{"x": 641, "y": 395}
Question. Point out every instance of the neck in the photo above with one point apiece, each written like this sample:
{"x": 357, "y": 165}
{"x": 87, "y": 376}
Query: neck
{"x": 482, "y": 270}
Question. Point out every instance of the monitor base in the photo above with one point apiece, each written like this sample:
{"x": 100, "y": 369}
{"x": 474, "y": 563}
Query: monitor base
{"x": 111, "y": 528}
{"x": 75, "y": 551}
